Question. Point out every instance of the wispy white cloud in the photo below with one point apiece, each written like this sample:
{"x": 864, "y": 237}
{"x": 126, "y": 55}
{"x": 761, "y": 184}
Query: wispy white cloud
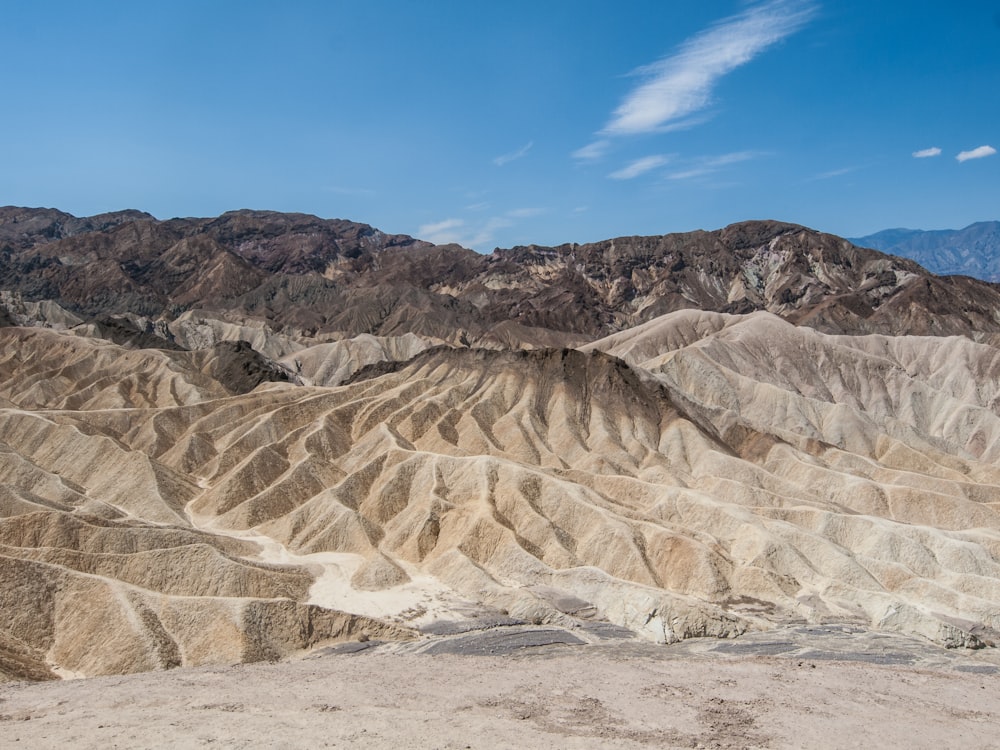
{"x": 676, "y": 87}
{"x": 835, "y": 173}
{"x": 592, "y": 151}
{"x": 477, "y": 230}
{"x": 733, "y": 157}
{"x": 513, "y": 155}
{"x": 441, "y": 232}
{"x": 926, "y": 153}
{"x": 976, "y": 153}
{"x": 689, "y": 174}
{"x": 478, "y": 234}
{"x": 710, "y": 164}
{"x": 525, "y": 213}
{"x": 483, "y": 235}
{"x": 639, "y": 166}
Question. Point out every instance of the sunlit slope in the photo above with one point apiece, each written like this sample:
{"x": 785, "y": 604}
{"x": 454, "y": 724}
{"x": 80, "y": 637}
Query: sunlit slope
{"x": 703, "y": 474}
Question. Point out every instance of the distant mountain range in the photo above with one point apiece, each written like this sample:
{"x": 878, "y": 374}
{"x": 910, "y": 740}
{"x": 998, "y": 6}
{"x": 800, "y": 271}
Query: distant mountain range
{"x": 973, "y": 251}
{"x": 309, "y": 276}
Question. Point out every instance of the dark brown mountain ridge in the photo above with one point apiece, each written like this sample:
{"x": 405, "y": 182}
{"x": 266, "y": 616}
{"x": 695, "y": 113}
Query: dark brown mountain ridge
{"x": 305, "y": 274}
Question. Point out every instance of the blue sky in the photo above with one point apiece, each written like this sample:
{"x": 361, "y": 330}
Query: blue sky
{"x": 496, "y": 124}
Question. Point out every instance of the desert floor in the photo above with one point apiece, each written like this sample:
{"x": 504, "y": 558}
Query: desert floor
{"x": 799, "y": 687}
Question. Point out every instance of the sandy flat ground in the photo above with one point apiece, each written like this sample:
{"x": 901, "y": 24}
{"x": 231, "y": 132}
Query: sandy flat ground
{"x": 762, "y": 692}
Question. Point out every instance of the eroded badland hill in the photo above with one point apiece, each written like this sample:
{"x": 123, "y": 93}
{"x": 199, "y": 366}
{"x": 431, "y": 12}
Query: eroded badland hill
{"x": 232, "y": 439}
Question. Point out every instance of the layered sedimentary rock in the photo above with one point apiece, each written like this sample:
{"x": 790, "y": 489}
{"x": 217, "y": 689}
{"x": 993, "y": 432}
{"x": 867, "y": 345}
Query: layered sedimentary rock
{"x": 283, "y": 432}
{"x": 704, "y": 474}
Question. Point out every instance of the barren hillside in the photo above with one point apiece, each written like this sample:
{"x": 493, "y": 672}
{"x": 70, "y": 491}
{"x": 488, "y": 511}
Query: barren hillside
{"x": 256, "y": 487}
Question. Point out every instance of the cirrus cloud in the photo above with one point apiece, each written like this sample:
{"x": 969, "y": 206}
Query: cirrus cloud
{"x": 592, "y": 151}
{"x": 513, "y": 155}
{"x": 927, "y": 153}
{"x": 639, "y": 166}
{"x": 678, "y": 86}
{"x": 442, "y": 232}
{"x": 478, "y": 233}
{"x": 707, "y": 165}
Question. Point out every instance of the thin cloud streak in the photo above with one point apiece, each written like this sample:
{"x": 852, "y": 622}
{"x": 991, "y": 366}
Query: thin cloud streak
{"x": 835, "y": 173}
{"x": 525, "y": 213}
{"x": 678, "y": 86}
{"x": 513, "y": 155}
{"x": 479, "y": 233}
{"x": 484, "y": 234}
{"x": 711, "y": 164}
{"x": 592, "y": 151}
{"x": 688, "y": 174}
{"x": 976, "y": 153}
{"x": 639, "y": 166}
{"x": 456, "y": 231}
{"x": 926, "y": 153}
{"x": 441, "y": 232}
{"x": 733, "y": 157}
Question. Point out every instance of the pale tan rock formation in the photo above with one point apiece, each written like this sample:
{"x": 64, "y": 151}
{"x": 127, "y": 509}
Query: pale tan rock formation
{"x": 197, "y": 329}
{"x": 46, "y": 369}
{"x": 334, "y": 362}
{"x": 44, "y": 313}
{"x": 701, "y": 475}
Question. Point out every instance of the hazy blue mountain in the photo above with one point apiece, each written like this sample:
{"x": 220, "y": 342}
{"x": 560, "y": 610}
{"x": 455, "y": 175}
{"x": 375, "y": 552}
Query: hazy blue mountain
{"x": 973, "y": 251}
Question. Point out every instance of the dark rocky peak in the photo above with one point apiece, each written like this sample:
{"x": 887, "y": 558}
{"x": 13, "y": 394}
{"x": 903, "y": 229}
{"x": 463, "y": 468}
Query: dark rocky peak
{"x": 738, "y": 240}
{"x": 113, "y": 219}
{"x": 754, "y": 234}
{"x": 429, "y": 266}
{"x": 298, "y": 243}
{"x": 22, "y": 228}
